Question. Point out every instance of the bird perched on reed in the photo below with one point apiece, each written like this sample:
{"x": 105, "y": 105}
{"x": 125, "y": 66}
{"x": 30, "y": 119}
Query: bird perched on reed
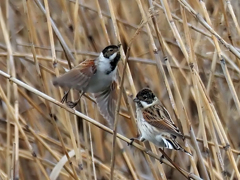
{"x": 155, "y": 123}
{"x": 95, "y": 76}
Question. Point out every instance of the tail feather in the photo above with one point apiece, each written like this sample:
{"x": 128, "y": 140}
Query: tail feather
{"x": 106, "y": 102}
{"x": 173, "y": 144}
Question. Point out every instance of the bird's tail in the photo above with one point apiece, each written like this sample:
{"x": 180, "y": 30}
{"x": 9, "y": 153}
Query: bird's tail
{"x": 173, "y": 144}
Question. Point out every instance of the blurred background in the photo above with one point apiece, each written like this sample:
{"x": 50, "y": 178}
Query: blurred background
{"x": 185, "y": 51}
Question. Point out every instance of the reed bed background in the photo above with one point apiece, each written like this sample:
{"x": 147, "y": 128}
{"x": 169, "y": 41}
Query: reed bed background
{"x": 185, "y": 51}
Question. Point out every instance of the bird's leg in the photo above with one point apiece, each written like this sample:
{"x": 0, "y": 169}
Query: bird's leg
{"x": 72, "y": 104}
{"x": 137, "y": 138}
{"x": 131, "y": 142}
{"x": 64, "y": 98}
{"x": 162, "y": 156}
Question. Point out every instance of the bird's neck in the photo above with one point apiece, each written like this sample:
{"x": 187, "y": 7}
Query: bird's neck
{"x": 114, "y": 62}
{"x": 106, "y": 65}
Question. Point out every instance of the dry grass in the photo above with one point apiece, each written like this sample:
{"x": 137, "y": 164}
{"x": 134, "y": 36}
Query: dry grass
{"x": 185, "y": 51}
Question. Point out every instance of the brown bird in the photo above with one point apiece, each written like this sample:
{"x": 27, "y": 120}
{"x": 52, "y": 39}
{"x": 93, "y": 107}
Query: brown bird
{"x": 95, "y": 76}
{"x": 155, "y": 123}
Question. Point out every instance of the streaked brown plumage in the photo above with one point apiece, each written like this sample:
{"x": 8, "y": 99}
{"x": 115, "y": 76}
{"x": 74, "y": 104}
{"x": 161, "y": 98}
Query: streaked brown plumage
{"x": 155, "y": 123}
{"x": 78, "y": 77}
{"x": 158, "y": 116}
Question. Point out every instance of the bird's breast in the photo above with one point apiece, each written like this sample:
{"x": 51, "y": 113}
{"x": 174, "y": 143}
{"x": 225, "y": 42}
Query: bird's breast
{"x": 147, "y": 130}
{"x": 100, "y": 81}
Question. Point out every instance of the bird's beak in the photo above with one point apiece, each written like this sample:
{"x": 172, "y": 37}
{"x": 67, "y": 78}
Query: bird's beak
{"x": 119, "y": 45}
{"x": 135, "y": 100}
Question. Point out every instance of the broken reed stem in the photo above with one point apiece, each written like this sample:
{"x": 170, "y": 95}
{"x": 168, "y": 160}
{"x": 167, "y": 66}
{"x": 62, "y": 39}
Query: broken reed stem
{"x": 230, "y": 84}
{"x": 237, "y": 103}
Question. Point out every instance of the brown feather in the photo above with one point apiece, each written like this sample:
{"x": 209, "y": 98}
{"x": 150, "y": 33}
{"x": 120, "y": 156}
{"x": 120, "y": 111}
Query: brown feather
{"x": 78, "y": 77}
{"x": 159, "y": 117}
{"x": 106, "y": 102}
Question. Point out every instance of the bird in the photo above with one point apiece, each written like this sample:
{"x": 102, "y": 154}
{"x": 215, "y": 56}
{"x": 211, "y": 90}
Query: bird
{"x": 97, "y": 76}
{"x": 155, "y": 123}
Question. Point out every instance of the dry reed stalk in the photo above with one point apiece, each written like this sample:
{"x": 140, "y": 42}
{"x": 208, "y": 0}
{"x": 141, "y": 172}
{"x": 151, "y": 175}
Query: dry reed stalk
{"x": 192, "y": 60}
{"x": 12, "y": 70}
{"x": 116, "y": 117}
{"x": 41, "y": 37}
{"x": 54, "y": 60}
{"x": 145, "y": 150}
{"x": 23, "y": 134}
{"x": 119, "y": 101}
{"x": 229, "y": 5}
{"x": 161, "y": 42}
{"x": 159, "y": 65}
{"x": 208, "y": 27}
{"x": 125, "y": 69}
{"x": 189, "y": 61}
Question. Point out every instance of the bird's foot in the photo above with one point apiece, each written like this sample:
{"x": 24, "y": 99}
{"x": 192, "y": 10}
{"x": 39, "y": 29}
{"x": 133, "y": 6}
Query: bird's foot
{"x": 72, "y": 104}
{"x": 138, "y": 138}
{"x": 161, "y": 158}
{"x": 131, "y": 142}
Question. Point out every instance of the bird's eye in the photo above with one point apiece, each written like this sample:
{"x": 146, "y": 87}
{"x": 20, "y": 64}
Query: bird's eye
{"x": 144, "y": 96}
{"x": 110, "y": 50}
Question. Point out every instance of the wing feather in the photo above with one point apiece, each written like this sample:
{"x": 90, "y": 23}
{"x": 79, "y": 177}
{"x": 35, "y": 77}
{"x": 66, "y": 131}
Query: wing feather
{"x": 106, "y": 102}
{"x": 159, "y": 117}
{"x": 77, "y": 77}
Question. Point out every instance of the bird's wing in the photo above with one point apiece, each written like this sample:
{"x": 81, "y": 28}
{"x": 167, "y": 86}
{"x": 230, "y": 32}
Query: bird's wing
{"x": 159, "y": 117}
{"x": 106, "y": 102}
{"x": 78, "y": 77}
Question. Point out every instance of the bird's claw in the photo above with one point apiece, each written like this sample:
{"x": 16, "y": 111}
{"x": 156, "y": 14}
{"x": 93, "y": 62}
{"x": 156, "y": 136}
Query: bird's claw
{"x": 162, "y": 157}
{"x": 130, "y": 143}
{"x": 72, "y": 104}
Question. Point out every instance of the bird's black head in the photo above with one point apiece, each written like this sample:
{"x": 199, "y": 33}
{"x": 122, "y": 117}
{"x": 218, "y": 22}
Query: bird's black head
{"x": 145, "y": 97}
{"x": 110, "y": 50}
{"x": 112, "y": 53}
